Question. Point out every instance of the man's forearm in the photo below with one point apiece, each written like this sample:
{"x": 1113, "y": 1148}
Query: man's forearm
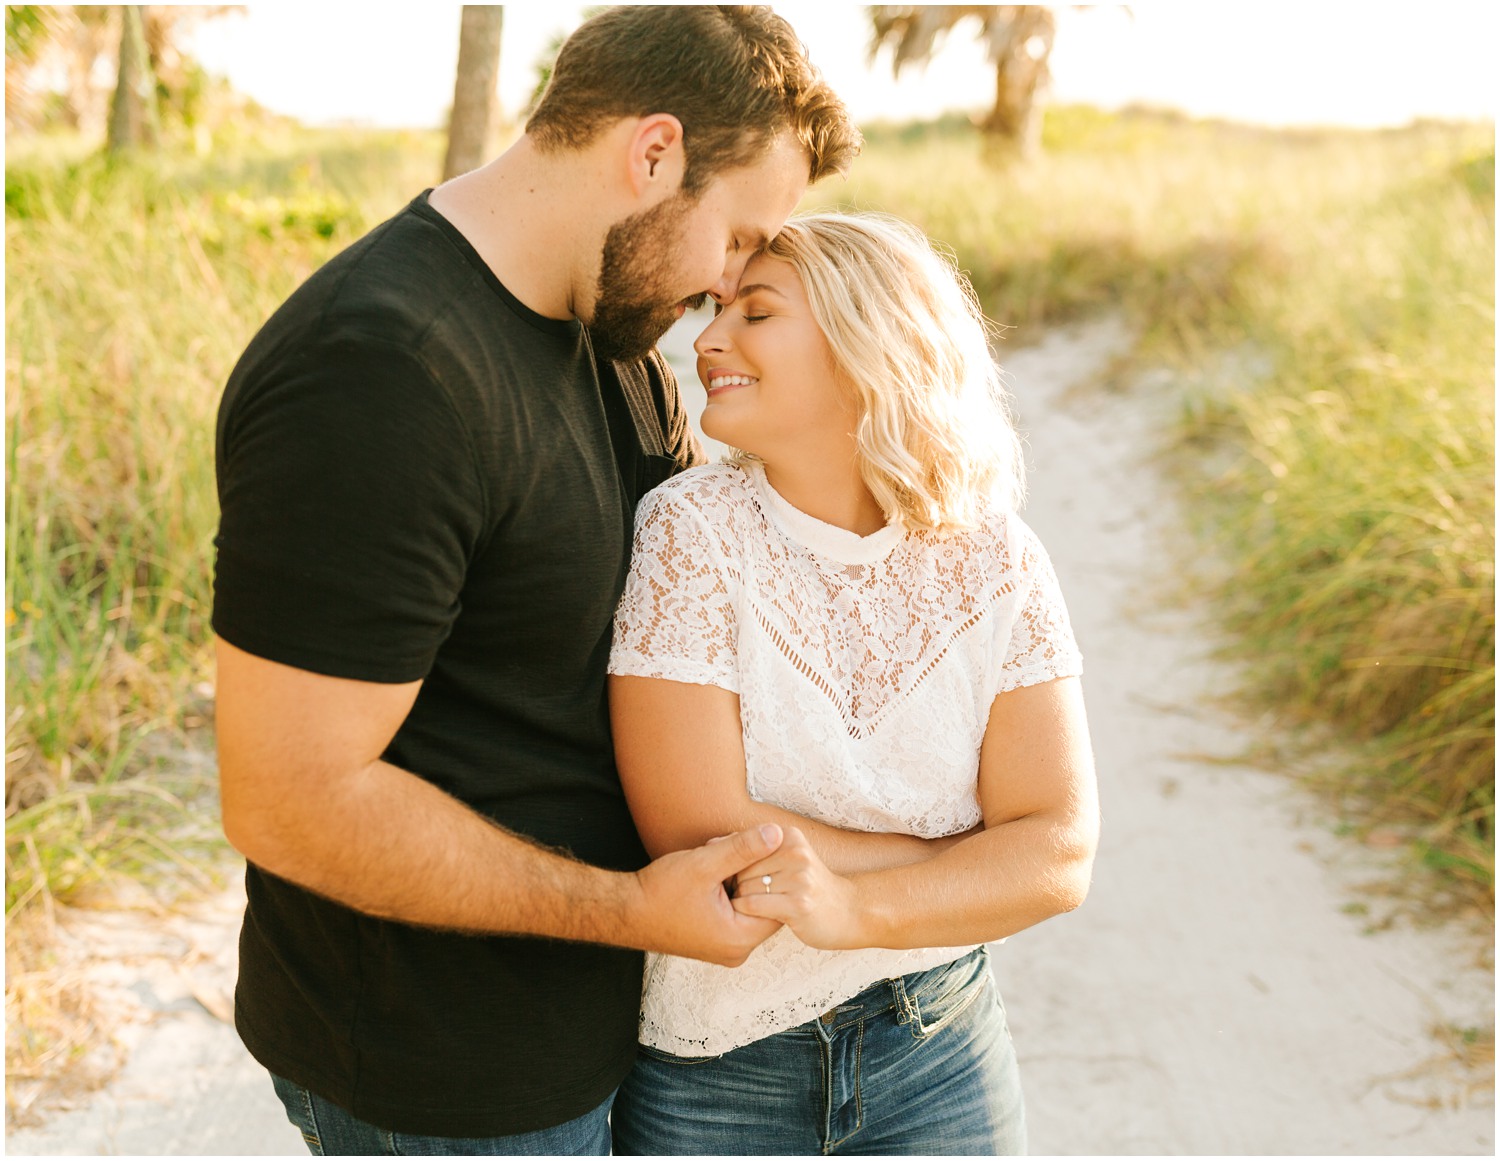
{"x": 387, "y": 843}
{"x": 310, "y": 801}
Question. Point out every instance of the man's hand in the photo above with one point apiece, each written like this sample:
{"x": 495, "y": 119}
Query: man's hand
{"x": 687, "y": 911}
{"x": 822, "y": 908}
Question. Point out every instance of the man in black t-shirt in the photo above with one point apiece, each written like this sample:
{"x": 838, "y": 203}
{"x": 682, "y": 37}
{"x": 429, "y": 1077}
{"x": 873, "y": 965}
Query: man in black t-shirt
{"x": 429, "y": 460}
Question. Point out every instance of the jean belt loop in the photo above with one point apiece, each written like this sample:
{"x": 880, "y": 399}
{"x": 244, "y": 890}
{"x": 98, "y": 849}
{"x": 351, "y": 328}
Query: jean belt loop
{"x": 906, "y": 1008}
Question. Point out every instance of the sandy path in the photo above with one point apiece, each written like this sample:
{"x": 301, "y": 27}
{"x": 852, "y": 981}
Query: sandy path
{"x": 1213, "y": 996}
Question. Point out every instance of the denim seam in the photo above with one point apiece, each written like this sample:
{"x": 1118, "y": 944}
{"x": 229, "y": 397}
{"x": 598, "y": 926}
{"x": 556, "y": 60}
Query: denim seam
{"x": 672, "y": 1058}
{"x": 315, "y": 1139}
{"x": 825, "y": 1057}
{"x": 859, "y": 1096}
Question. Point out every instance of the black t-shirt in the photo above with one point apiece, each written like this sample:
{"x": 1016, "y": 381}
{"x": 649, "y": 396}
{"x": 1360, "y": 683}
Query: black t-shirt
{"x": 421, "y": 478}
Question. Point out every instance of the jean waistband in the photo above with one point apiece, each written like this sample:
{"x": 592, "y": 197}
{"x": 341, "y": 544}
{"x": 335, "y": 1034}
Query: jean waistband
{"x": 897, "y": 993}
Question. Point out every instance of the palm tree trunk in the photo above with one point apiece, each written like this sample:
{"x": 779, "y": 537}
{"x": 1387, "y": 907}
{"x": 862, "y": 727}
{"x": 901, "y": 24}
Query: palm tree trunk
{"x": 1021, "y": 81}
{"x": 475, "y": 102}
{"x": 132, "y": 117}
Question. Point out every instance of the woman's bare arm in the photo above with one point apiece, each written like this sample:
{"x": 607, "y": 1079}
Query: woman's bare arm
{"x": 1033, "y": 859}
{"x": 682, "y": 763}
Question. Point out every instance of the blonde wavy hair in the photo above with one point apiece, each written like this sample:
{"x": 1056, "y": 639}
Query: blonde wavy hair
{"x": 935, "y": 436}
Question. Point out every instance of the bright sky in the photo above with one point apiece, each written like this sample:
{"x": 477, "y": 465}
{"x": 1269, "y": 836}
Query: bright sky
{"x": 1313, "y": 62}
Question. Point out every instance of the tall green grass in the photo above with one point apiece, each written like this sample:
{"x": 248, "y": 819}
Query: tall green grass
{"x": 131, "y": 288}
{"x": 1359, "y": 503}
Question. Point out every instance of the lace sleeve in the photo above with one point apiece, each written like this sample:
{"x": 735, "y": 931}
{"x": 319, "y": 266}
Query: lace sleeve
{"x": 1041, "y": 644}
{"x": 676, "y": 619}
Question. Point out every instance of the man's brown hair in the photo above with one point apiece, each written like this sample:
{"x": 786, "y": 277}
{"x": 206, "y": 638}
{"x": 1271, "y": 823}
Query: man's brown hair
{"x": 736, "y": 76}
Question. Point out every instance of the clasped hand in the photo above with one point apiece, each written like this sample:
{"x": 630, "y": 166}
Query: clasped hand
{"x": 792, "y": 885}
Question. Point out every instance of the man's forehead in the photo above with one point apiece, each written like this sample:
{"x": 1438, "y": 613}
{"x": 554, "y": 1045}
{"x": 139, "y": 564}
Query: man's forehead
{"x": 784, "y": 167}
{"x": 759, "y": 197}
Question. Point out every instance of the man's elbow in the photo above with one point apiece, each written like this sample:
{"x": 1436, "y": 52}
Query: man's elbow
{"x": 259, "y": 822}
{"x": 248, "y": 830}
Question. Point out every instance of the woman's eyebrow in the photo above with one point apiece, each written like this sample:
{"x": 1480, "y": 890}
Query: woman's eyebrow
{"x": 755, "y": 286}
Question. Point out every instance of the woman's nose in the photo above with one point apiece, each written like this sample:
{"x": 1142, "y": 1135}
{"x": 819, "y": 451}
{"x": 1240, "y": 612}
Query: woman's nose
{"x": 713, "y": 339}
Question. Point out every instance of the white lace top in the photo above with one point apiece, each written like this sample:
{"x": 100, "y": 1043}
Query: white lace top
{"x": 865, "y": 668}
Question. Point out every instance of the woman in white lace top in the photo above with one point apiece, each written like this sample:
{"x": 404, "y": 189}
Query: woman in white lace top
{"x": 846, "y": 631}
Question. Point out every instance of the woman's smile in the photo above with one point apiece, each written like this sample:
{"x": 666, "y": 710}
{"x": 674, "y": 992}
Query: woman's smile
{"x": 718, "y": 380}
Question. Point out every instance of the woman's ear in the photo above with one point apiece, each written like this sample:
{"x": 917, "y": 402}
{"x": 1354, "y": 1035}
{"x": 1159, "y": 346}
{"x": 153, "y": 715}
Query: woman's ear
{"x": 656, "y": 160}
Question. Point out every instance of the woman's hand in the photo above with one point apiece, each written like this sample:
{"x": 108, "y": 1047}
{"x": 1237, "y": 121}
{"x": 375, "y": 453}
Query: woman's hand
{"x": 793, "y": 886}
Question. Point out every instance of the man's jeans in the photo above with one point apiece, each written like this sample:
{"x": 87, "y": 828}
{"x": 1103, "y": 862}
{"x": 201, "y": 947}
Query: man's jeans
{"x": 921, "y": 1065}
{"x": 330, "y": 1131}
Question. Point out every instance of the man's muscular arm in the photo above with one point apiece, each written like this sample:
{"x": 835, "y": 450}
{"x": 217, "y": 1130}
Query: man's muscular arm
{"x": 307, "y": 798}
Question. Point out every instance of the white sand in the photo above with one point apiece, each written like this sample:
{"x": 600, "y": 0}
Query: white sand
{"x": 1213, "y": 996}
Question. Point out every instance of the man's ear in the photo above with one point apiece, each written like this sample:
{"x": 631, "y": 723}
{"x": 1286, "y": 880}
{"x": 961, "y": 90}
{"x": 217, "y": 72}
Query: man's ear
{"x": 656, "y": 158}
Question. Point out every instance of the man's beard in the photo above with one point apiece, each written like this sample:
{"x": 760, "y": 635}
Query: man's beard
{"x": 632, "y": 311}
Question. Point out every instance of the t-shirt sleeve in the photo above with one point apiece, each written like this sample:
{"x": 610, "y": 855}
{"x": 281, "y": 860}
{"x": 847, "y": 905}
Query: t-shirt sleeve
{"x": 1041, "y": 646}
{"x": 676, "y": 619}
{"x": 350, "y": 508}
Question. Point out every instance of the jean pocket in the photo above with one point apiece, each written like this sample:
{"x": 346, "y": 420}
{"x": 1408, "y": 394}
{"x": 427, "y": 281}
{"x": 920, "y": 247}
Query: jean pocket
{"x": 936, "y": 998}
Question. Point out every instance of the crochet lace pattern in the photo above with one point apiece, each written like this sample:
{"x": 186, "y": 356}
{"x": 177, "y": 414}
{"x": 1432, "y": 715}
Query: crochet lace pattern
{"x": 865, "y": 668}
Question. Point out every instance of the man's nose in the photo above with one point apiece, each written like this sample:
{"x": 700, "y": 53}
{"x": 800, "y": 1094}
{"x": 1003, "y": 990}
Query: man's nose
{"x": 724, "y": 290}
{"x": 728, "y": 286}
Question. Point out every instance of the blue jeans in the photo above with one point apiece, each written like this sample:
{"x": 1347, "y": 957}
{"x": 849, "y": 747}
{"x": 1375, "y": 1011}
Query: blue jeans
{"x": 329, "y": 1131}
{"x": 918, "y": 1065}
